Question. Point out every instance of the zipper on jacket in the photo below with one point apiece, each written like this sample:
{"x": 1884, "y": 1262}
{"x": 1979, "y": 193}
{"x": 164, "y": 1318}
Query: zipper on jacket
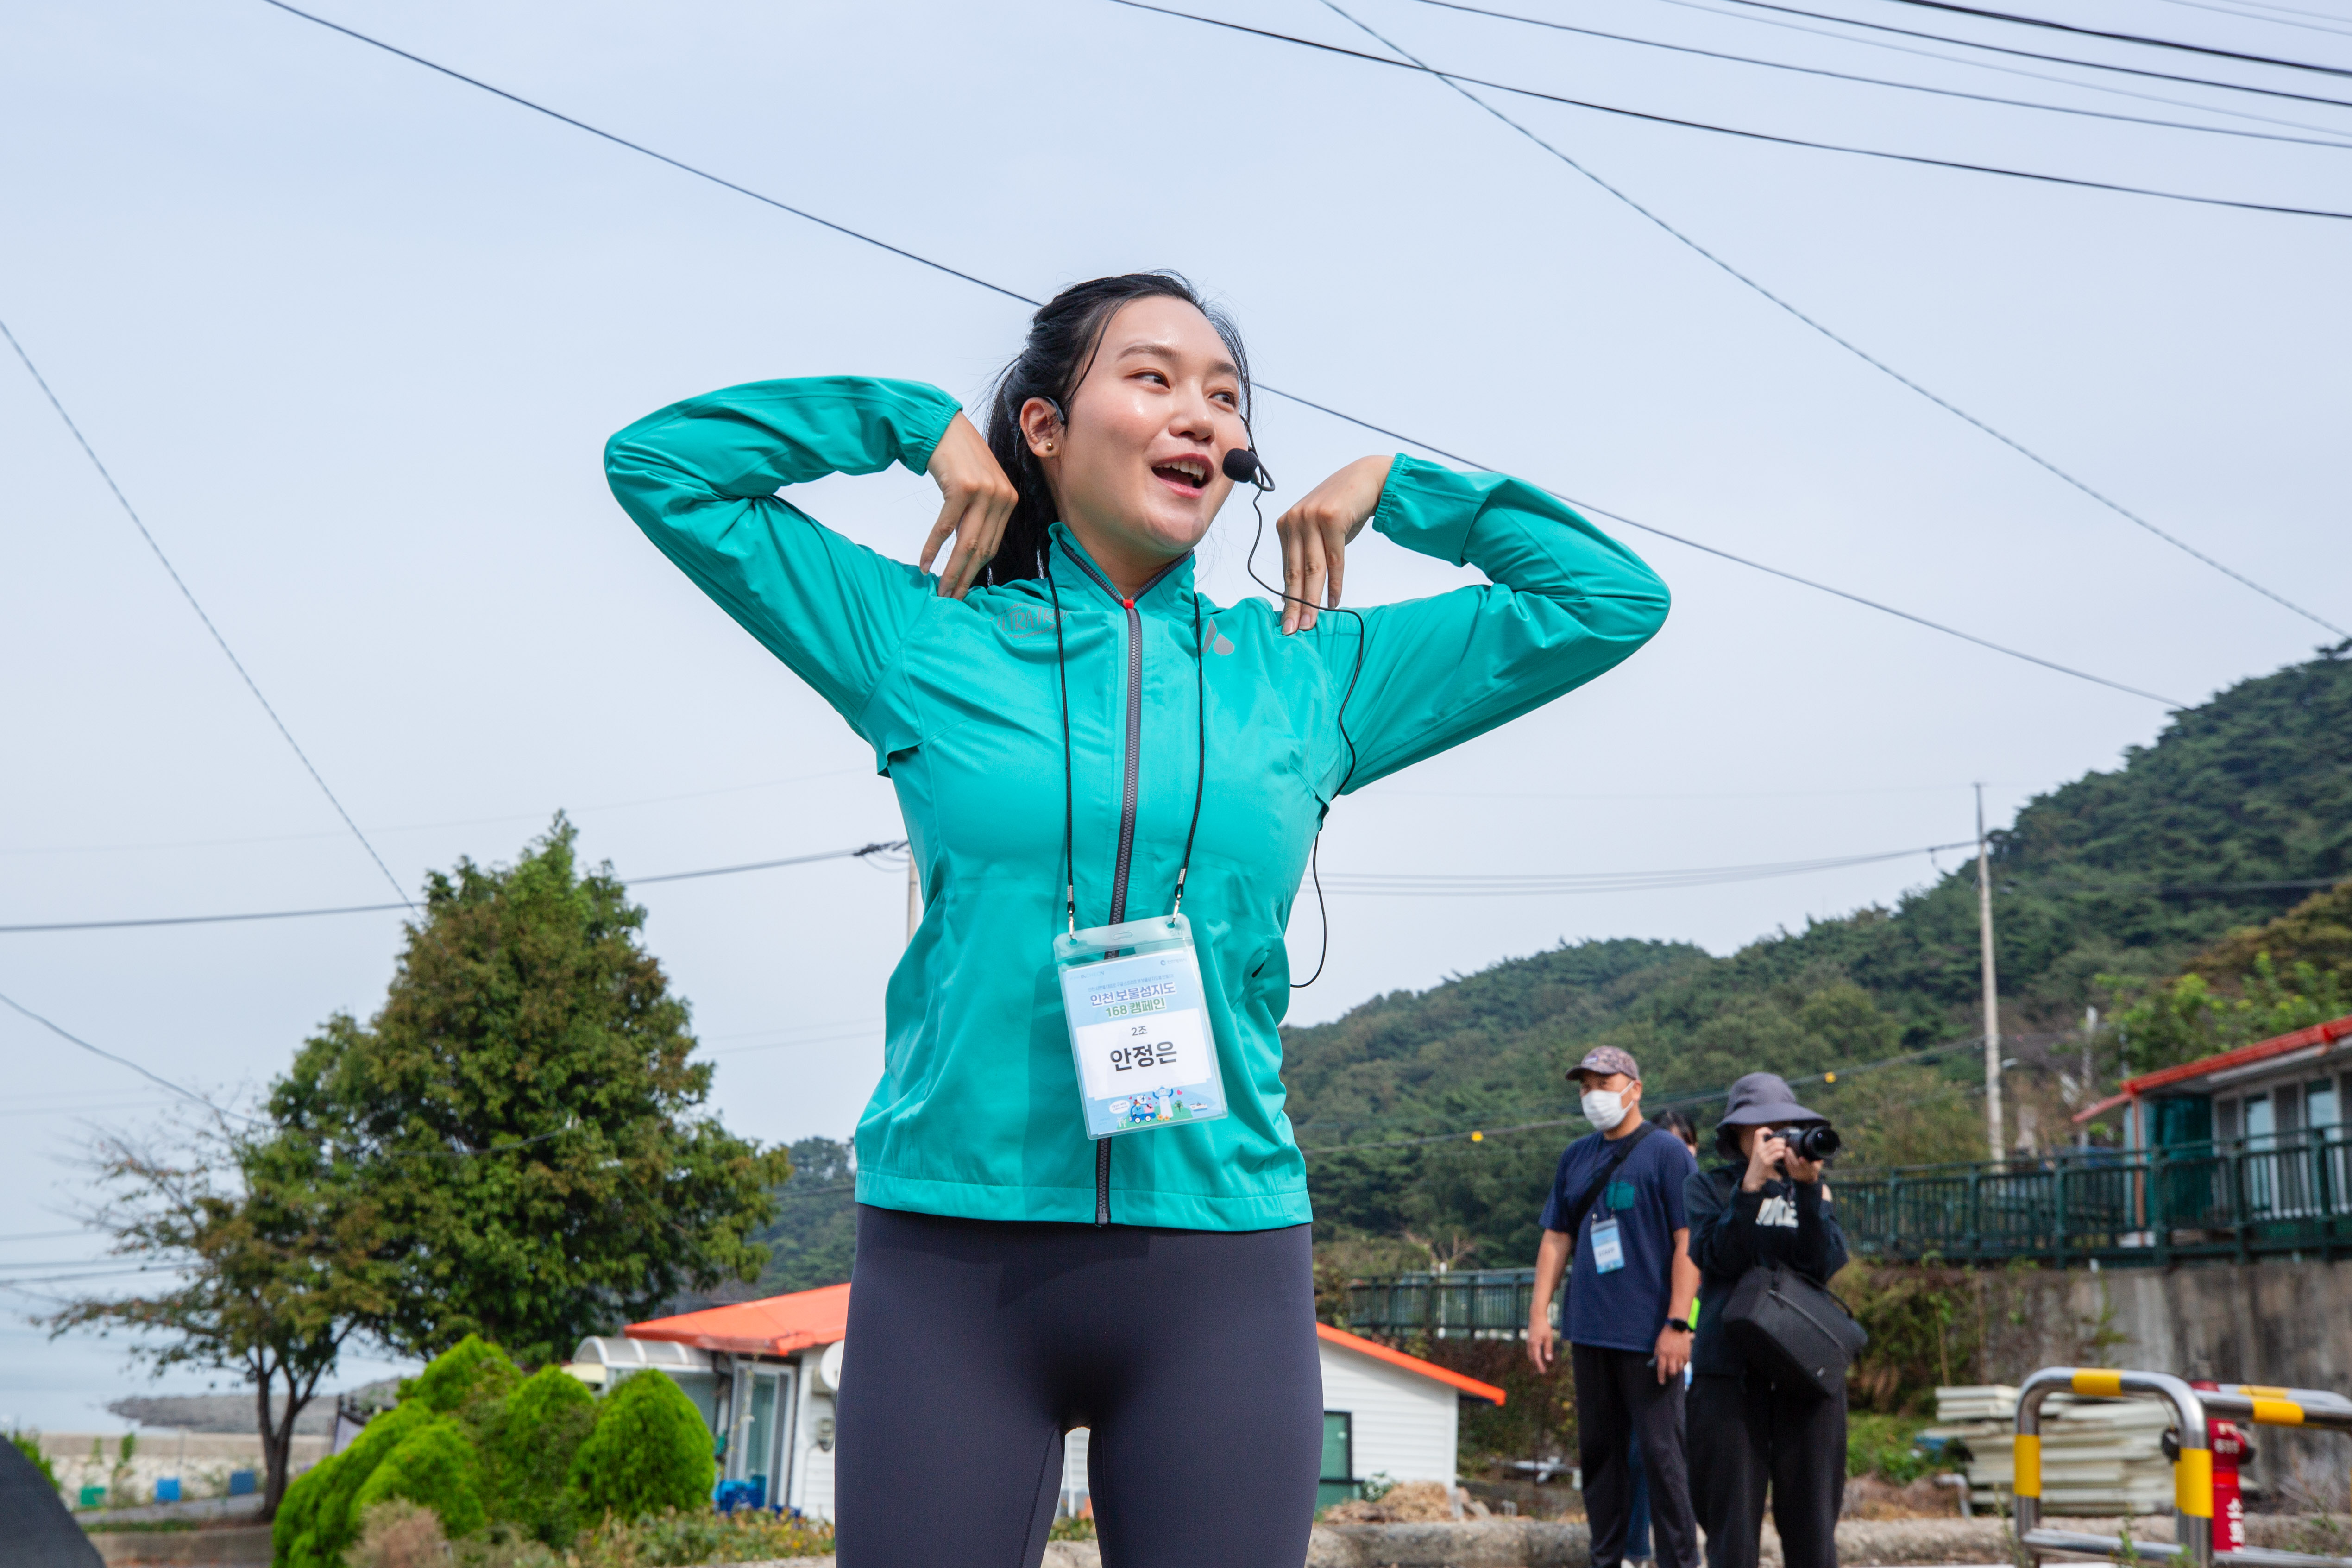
{"x": 1133, "y": 788}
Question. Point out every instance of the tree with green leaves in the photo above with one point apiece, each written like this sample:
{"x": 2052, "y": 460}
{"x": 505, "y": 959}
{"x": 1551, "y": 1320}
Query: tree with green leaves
{"x": 523, "y": 1113}
{"x": 265, "y": 1264}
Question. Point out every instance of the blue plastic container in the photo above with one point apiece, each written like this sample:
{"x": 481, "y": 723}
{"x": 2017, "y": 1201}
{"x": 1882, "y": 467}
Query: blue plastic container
{"x": 240, "y": 1483}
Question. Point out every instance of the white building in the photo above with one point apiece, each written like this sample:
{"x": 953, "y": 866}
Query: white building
{"x": 764, "y": 1373}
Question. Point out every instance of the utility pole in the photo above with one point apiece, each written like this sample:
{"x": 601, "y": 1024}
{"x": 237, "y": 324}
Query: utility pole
{"x": 2090, "y": 1034}
{"x": 914, "y": 895}
{"x": 1992, "y": 986}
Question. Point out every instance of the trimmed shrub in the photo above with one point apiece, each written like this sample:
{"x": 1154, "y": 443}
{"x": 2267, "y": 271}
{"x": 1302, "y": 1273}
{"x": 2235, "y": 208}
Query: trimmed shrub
{"x": 316, "y": 1522}
{"x": 649, "y": 1451}
{"x": 435, "y": 1466}
{"x": 528, "y": 1443}
{"x": 469, "y": 1370}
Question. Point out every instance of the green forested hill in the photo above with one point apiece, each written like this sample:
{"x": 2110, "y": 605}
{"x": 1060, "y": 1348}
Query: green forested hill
{"x": 2105, "y": 887}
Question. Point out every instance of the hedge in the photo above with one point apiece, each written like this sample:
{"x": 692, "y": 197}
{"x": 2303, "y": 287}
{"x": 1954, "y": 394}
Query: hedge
{"x": 650, "y": 1450}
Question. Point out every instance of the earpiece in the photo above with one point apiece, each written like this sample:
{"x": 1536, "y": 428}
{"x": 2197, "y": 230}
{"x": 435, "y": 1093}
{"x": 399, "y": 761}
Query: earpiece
{"x": 1242, "y": 467}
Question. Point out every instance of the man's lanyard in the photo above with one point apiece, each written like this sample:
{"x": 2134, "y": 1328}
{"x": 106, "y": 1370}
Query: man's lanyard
{"x": 1062, "y": 674}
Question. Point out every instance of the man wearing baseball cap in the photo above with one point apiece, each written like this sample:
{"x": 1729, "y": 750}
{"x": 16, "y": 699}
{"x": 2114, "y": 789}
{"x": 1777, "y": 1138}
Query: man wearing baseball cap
{"x": 1614, "y": 1223}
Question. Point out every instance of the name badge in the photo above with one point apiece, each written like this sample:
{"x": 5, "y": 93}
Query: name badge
{"x": 1140, "y": 1033}
{"x": 1608, "y": 1247}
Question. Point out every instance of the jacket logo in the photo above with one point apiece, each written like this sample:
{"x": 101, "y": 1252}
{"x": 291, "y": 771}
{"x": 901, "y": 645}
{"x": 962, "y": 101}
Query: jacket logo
{"x": 1024, "y": 620}
{"x": 1218, "y": 641}
{"x": 1781, "y": 1212}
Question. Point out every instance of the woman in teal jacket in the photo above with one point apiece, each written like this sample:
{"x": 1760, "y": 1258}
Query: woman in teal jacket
{"x": 1077, "y": 737}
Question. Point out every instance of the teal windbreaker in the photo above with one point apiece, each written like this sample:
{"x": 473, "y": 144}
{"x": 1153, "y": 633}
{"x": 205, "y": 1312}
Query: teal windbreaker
{"x": 978, "y": 1113}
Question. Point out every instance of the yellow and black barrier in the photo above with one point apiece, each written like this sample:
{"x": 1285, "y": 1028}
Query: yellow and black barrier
{"x": 2192, "y": 1473}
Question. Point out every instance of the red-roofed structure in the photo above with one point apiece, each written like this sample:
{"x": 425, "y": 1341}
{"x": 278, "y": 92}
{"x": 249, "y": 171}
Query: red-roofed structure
{"x": 2228, "y": 1067}
{"x": 774, "y": 1325}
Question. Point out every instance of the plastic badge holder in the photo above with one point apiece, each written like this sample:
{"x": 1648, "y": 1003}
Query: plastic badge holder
{"x": 1139, "y": 1030}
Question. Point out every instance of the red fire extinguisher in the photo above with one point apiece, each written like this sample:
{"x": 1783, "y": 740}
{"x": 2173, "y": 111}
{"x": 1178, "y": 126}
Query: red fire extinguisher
{"x": 2231, "y": 1449}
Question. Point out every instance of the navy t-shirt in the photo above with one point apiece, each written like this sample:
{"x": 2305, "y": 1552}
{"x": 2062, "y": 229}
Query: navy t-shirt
{"x": 1625, "y": 1308}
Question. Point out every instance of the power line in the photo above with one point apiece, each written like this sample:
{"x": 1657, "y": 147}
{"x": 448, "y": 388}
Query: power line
{"x": 1743, "y": 560}
{"x": 425, "y": 827}
{"x": 131, "y": 512}
{"x": 2108, "y": 88}
{"x": 2251, "y": 15}
{"x": 2141, "y": 38}
{"x": 121, "y": 1061}
{"x": 1442, "y": 884}
{"x": 1943, "y": 403}
{"x": 2035, "y": 55}
{"x": 860, "y": 851}
{"x": 1456, "y": 80}
{"x": 1276, "y": 391}
{"x": 1883, "y": 81}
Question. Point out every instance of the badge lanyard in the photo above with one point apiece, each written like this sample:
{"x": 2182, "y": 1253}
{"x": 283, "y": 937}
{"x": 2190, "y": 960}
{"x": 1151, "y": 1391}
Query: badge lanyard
{"x": 1131, "y": 992}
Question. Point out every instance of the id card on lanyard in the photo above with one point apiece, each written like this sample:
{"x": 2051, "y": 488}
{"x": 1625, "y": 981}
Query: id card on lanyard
{"x": 1140, "y": 1033}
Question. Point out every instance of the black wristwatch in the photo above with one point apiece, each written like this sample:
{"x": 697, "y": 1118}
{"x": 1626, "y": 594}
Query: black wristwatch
{"x": 1679, "y": 1326}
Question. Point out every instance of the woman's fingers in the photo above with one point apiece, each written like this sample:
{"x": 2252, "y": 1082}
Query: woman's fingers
{"x": 951, "y": 508}
{"x": 1303, "y": 568}
{"x": 1335, "y": 550}
{"x": 978, "y": 530}
{"x": 975, "y": 500}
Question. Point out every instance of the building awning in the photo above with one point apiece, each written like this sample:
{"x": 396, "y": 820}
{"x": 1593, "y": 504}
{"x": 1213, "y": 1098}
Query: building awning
{"x": 779, "y": 1325}
{"x": 2311, "y": 1041}
{"x": 774, "y": 1325}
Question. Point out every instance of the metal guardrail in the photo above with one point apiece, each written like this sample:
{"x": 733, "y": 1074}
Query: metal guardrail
{"x": 2230, "y": 1200}
{"x": 2192, "y": 1473}
{"x": 1467, "y": 1304}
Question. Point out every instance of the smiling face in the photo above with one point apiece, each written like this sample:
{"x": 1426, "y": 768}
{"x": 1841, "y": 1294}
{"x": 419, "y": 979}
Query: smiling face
{"x": 1136, "y": 471}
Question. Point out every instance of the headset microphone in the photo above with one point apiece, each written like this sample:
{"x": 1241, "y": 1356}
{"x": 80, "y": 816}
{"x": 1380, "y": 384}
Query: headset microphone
{"x": 1242, "y": 467}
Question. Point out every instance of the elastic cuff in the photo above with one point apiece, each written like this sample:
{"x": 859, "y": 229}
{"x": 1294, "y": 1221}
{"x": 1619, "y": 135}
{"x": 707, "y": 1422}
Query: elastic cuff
{"x": 924, "y": 434}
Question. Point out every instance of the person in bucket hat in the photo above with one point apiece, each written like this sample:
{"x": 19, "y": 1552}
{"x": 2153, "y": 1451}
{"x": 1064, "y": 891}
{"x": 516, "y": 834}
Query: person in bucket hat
{"x": 1764, "y": 1203}
{"x": 1614, "y": 1225}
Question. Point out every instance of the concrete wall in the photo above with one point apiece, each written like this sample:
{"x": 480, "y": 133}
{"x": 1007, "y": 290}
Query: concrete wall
{"x": 2274, "y": 1322}
{"x": 202, "y": 1460}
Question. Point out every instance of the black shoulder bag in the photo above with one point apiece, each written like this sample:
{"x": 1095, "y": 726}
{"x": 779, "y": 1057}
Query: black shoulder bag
{"x": 1599, "y": 1184}
{"x": 1792, "y": 1330}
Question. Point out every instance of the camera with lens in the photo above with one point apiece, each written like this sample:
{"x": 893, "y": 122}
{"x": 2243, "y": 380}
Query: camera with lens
{"x": 1815, "y": 1141}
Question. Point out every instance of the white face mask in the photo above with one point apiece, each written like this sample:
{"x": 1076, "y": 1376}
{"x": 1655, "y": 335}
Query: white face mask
{"x": 1603, "y": 1109}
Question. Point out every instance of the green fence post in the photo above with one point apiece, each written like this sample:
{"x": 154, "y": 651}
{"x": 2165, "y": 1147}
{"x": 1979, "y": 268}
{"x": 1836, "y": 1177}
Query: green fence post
{"x": 2058, "y": 1204}
{"x": 2160, "y": 1206}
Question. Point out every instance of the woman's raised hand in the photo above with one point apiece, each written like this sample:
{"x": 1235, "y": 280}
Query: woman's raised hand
{"x": 1316, "y": 533}
{"x": 978, "y": 498}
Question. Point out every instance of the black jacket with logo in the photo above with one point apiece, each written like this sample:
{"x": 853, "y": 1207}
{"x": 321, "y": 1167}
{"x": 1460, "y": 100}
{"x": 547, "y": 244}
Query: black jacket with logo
{"x": 1785, "y": 1221}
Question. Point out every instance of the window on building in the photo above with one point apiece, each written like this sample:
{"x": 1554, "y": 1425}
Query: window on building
{"x": 2288, "y": 1100}
{"x": 2225, "y": 1119}
{"x": 2320, "y": 1111}
{"x": 1337, "y": 1482}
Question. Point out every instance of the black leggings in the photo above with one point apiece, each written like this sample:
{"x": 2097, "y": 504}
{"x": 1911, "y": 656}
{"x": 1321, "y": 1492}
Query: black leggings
{"x": 974, "y": 1344}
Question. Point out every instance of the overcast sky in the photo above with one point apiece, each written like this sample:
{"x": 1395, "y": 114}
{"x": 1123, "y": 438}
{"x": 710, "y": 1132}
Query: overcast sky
{"x": 351, "y": 336}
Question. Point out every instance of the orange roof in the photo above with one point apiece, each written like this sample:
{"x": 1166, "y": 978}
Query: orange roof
{"x": 774, "y": 1325}
{"x": 1379, "y": 1351}
{"x": 779, "y": 1325}
{"x": 2318, "y": 1035}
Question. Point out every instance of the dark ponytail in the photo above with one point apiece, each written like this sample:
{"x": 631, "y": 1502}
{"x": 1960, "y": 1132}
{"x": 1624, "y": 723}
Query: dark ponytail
{"x": 1063, "y": 338}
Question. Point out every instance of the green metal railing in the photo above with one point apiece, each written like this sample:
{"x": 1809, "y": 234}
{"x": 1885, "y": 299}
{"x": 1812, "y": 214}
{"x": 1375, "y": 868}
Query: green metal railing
{"x": 1468, "y": 1303}
{"x": 2221, "y": 1201}
{"x": 2229, "y": 1200}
